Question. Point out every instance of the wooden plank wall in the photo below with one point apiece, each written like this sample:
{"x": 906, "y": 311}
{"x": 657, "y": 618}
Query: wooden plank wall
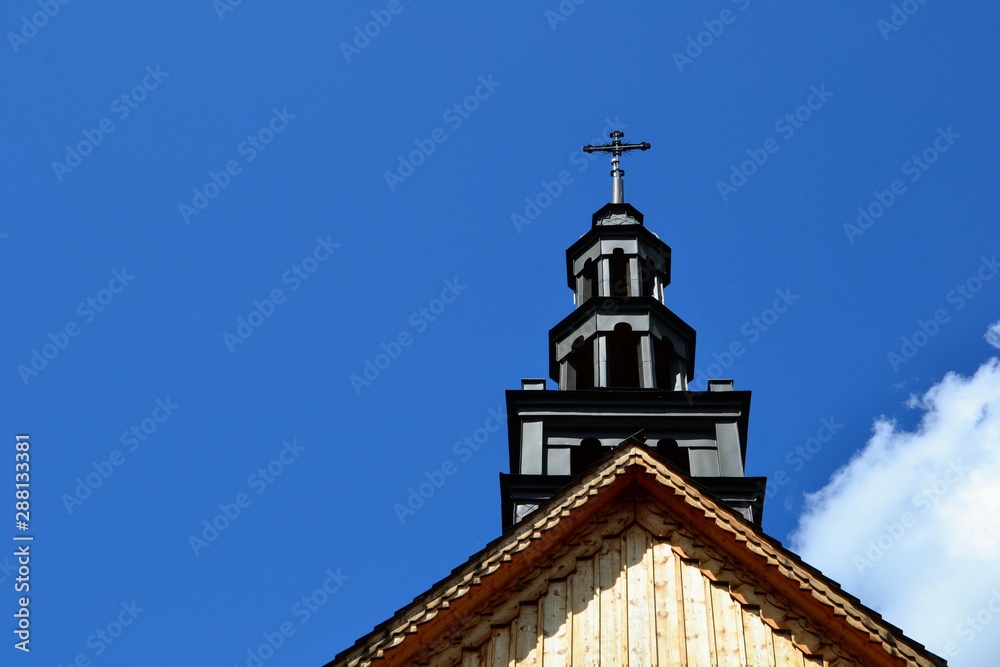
{"x": 637, "y": 603}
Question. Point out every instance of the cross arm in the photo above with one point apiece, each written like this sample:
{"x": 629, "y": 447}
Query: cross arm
{"x": 618, "y": 150}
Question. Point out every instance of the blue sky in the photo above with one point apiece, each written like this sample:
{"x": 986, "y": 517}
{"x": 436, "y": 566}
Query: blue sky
{"x": 214, "y": 215}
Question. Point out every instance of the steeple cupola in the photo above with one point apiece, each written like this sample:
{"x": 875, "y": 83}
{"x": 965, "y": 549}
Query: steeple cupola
{"x": 621, "y": 334}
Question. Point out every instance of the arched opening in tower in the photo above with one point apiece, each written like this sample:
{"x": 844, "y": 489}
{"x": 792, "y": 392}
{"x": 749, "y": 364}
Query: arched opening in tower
{"x": 588, "y": 280}
{"x": 580, "y": 363}
{"x": 619, "y": 273}
{"x": 623, "y": 357}
{"x": 648, "y": 277}
{"x": 663, "y": 360}
{"x": 674, "y": 454}
{"x": 586, "y": 454}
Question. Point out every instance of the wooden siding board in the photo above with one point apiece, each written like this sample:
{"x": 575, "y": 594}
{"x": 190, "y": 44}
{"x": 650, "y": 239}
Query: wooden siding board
{"x": 585, "y": 611}
{"x": 710, "y": 614}
{"x": 612, "y": 604}
{"x": 728, "y": 624}
{"x": 555, "y": 626}
{"x": 698, "y": 636}
{"x": 526, "y": 642}
{"x": 641, "y": 647}
{"x": 757, "y": 637}
{"x": 470, "y": 657}
{"x": 785, "y": 653}
{"x": 500, "y": 655}
{"x": 682, "y": 627}
{"x": 669, "y": 621}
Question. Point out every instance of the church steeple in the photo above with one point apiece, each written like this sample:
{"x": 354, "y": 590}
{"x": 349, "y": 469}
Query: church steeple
{"x": 634, "y": 559}
{"x": 621, "y": 335}
{"x": 622, "y": 362}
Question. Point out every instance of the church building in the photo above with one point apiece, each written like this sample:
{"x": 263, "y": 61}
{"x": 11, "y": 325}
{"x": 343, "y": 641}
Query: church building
{"x": 631, "y": 536}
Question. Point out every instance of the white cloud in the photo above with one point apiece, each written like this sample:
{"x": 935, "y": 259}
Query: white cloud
{"x": 911, "y": 525}
{"x": 993, "y": 335}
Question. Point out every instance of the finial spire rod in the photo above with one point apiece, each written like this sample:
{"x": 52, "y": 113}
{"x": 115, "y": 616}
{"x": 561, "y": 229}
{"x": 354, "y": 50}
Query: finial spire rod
{"x": 616, "y": 148}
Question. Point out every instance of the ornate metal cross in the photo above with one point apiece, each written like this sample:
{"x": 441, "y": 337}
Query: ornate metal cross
{"x": 616, "y": 148}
